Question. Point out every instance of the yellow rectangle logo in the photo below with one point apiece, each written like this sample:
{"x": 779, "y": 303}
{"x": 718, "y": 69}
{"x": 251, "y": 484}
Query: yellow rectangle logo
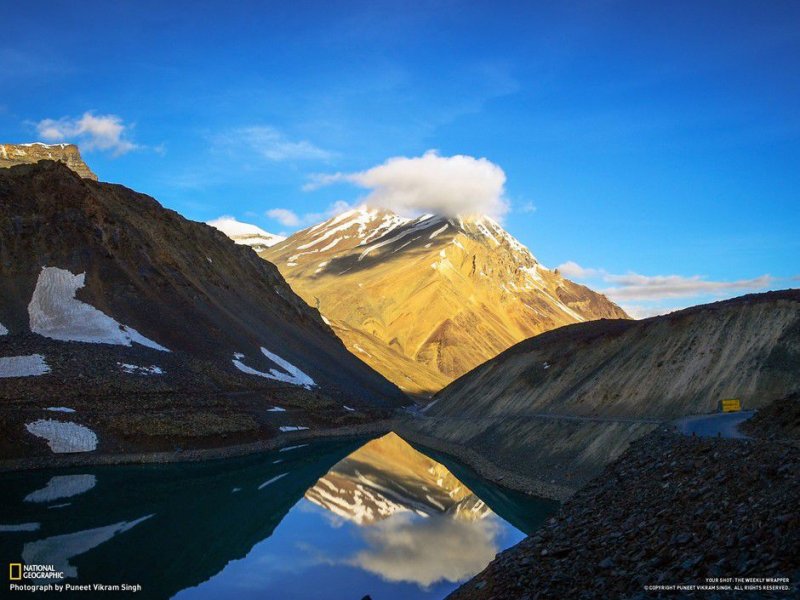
{"x": 731, "y": 405}
{"x": 15, "y": 571}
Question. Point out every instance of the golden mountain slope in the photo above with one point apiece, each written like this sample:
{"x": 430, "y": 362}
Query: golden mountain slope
{"x": 444, "y": 294}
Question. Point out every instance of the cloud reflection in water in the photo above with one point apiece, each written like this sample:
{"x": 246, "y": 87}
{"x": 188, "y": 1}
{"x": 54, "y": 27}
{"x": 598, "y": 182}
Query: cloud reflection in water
{"x": 424, "y": 551}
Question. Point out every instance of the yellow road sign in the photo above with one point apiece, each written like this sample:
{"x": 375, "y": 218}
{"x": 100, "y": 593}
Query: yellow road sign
{"x": 731, "y": 405}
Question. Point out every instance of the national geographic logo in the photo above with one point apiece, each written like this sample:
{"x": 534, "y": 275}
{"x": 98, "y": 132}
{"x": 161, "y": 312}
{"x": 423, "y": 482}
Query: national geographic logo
{"x": 46, "y": 578}
{"x": 18, "y": 572}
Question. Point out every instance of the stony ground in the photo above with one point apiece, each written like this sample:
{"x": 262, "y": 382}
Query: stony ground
{"x": 194, "y": 404}
{"x": 673, "y": 510}
{"x": 778, "y": 421}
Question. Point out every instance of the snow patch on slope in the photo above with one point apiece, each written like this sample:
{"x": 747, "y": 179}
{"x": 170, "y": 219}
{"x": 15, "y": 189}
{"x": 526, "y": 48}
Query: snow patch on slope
{"x": 438, "y": 231}
{"x": 293, "y": 375}
{"x": 64, "y": 436}
{"x": 55, "y": 313}
{"x": 23, "y": 366}
{"x": 3, "y": 330}
{"x": 424, "y": 222}
{"x": 137, "y": 370}
{"x": 359, "y": 217}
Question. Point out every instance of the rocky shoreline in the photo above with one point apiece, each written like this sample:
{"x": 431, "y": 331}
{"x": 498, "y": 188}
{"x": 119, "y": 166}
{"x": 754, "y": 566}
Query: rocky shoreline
{"x": 672, "y": 511}
{"x": 484, "y": 467}
{"x": 375, "y": 428}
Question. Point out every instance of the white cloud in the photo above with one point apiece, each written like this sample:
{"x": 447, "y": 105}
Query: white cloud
{"x": 426, "y": 551}
{"x": 92, "y": 132}
{"x": 285, "y": 217}
{"x": 656, "y": 291}
{"x": 270, "y": 144}
{"x": 575, "y": 271}
{"x": 444, "y": 185}
{"x": 290, "y": 218}
{"x": 528, "y": 207}
{"x": 638, "y": 311}
{"x": 642, "y": 287}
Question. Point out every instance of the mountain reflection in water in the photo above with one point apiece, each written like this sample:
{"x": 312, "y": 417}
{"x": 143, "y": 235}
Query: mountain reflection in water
{"x": 323, "y": 520}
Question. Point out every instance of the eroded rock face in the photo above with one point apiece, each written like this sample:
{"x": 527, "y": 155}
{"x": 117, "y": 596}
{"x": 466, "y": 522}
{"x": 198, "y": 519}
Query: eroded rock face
{"x": 18, "y": 154}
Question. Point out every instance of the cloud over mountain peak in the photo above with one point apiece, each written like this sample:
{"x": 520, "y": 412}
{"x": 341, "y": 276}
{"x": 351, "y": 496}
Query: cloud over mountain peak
{"x": 443, "y": 185}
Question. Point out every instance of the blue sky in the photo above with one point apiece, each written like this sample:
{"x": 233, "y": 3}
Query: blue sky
{"x": 652, "y": 147}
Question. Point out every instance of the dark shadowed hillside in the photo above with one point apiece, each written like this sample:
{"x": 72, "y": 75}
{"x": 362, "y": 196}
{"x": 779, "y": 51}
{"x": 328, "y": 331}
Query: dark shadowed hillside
{"x": 157, "y": 331}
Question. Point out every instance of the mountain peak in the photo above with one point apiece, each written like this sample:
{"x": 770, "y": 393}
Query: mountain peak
{"x": 367, "y": 223}
{"x": 441, "y": 293}
{"x": 246, "y": 234}
{"x": 20, "y": 154}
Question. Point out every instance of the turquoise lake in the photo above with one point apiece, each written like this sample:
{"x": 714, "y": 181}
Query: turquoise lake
{"x": 322, "y": 520}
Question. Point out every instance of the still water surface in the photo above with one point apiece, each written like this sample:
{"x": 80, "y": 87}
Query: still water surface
{"x": 324, "y": 520}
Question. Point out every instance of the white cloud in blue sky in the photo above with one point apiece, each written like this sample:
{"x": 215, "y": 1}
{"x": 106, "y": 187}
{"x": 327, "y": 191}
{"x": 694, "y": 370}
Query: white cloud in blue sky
{"x": 92, "y": 132}
{"x": 443, "y": 185}
{"x": 270, "y": 144}
{"x": 649, "y": 295}
{"x": 284, "y": 216}
{"x": 634, "y": 286}
{"x": 290, "y": 218}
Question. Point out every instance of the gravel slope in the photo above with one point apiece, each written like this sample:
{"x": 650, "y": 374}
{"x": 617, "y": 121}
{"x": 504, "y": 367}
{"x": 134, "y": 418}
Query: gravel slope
{"x": 672, "y": 510}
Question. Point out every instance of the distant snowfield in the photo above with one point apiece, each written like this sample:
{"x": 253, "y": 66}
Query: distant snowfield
{"x": 64, "y": 436}
{"x": 245, "y": 233}
{"x": 293, "y": 375}
{"x": 23, "y": 366}
{"x": 55, "y": 313}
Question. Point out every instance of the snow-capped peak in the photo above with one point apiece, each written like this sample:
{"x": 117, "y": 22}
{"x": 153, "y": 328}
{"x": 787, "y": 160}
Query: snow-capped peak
{"x": 245, "y": 233}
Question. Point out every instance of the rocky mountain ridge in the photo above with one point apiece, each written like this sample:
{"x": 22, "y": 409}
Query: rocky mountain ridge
{"x": 21, "y": 154}
{"x": 445, "y": 294}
